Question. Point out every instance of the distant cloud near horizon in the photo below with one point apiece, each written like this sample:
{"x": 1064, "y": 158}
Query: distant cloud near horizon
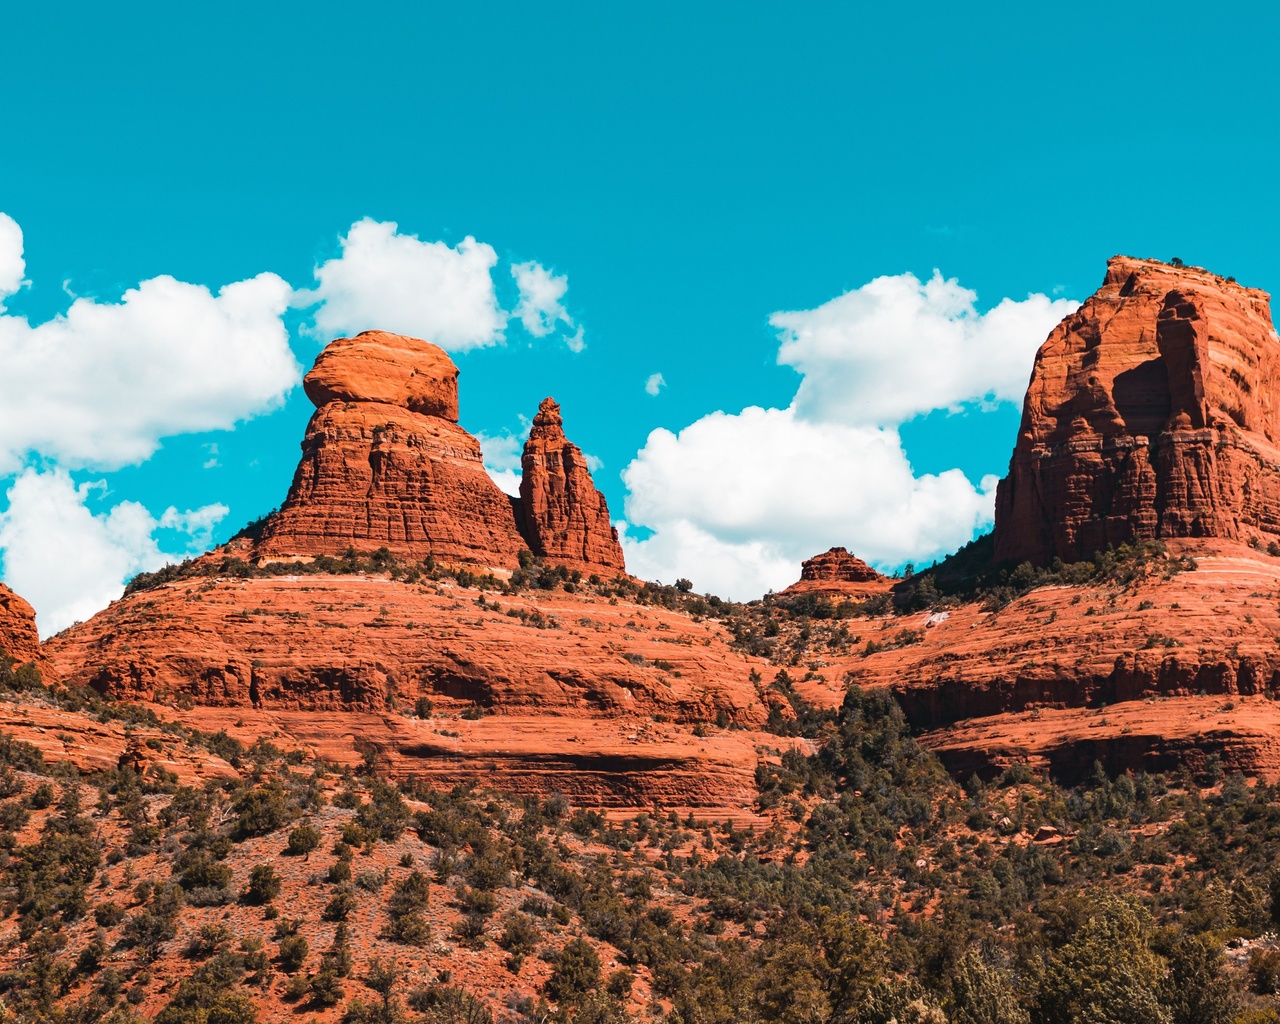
{"x": 98, "y": 387}
{"x": 69, "y": 561}
{"x": 736, "y": 501}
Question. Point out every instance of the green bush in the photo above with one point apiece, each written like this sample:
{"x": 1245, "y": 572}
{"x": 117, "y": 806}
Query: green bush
{"x": 303, "y": 840}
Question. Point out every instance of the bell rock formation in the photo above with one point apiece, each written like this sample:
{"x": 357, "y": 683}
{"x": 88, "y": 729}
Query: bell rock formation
{"x": 836, "y": 572}
{"x": 1151, "y": 413}
{"x": 385, "y": 464}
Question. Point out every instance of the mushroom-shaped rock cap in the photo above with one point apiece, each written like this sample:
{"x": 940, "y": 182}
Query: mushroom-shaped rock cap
{"x": 393, "y": 369}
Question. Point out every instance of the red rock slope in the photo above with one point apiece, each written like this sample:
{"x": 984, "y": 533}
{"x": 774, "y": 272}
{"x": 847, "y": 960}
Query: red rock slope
{"x": 1150, "y": 675}
{"x": 593, "y": 696}
{"x": 1151, "y": 413}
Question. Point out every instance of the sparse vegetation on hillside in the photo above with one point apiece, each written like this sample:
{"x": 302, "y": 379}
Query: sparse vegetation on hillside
{"x": 879, "y": 890}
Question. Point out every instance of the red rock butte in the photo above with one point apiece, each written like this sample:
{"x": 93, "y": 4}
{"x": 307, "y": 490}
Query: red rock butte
{"x": 1151, "y": 413}
{"x": 836, "y": 572}
{"x": 385, "y": 464}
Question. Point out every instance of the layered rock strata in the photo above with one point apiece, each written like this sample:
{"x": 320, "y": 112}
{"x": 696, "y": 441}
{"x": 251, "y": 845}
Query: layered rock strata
{"x": 564, "y": 517}
{"x": 538, "y": 692}
{"x": 18, "y": 637}
{"x": 837, "y": 573}
{"x": 385, "y": 464}
{"x": 1151, "y": 413}
{"x": 1145, "y": 675}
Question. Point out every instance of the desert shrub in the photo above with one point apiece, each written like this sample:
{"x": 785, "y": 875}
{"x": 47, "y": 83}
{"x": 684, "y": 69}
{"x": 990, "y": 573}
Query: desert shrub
{"x": 386, "y": 814}
{"x": 303, "y": 840}
{"x": 576, "y": 972}
{"x": 446, "y": 1004}
{"x": 293, "y": 953}
{"x": 264, "y": 885}
{"x": 260, "y": 810}
{"x": 198, "y": 869}
{"x": 1105, "y": 970}
{"x": 340, "y": 907}
{"x": 207, "y": 998}
{"x": 405, "y": 907}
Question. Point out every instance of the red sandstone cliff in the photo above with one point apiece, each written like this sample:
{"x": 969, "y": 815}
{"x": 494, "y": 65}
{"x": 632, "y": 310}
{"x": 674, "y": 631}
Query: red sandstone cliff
{"x": 18, "y": 637}
{"x": 564, "y": 517}
{"x": 1151, "y": 413}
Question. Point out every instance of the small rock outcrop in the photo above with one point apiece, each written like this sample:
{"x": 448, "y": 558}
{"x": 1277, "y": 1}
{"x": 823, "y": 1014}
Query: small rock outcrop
{"x": 564, "y": 517}
{"x": 18, "y": 637}
{"x": 836, "y": 572}
{"x": 1151, "y": 413}
{"x": 385, "y": 464}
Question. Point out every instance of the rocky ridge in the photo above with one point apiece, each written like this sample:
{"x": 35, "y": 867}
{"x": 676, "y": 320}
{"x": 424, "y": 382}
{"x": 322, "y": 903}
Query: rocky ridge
{"x": 1149, "y": 673}
{"x": 580, "y": 693}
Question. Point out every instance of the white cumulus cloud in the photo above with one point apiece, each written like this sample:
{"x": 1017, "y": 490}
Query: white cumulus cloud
{"x": 389, "y": 281}
{"x": 736, "y": 501}
{"x": 12, "y": 265}
{"x": 69, "y": 561}
{"x": 539, "y": 306}
{"x": 101, "y": 384}
{"x": 502, "y": 460}
{"x": 898, "y": 347}
{"x": 654, "y": 384}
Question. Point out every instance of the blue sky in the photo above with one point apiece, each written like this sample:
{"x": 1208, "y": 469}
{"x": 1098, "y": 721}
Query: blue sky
{"x": 689, "y": 173}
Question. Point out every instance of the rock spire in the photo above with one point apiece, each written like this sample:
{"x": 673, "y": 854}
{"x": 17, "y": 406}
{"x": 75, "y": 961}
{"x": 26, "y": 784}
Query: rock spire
{"x": 385, "y": 464}
{"x": 565, "y": 518}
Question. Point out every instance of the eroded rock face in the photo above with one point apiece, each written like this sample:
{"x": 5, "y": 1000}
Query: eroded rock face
{"x": 563, "y": 692}
{"x": 563, "y": 515}
{"x": 1151, "y": 413}
{"x": 837, "y": 573}
{"x": 18, "y": 637}
{"x": 1144, "y": 676}
{"x": 385, "y": 463}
